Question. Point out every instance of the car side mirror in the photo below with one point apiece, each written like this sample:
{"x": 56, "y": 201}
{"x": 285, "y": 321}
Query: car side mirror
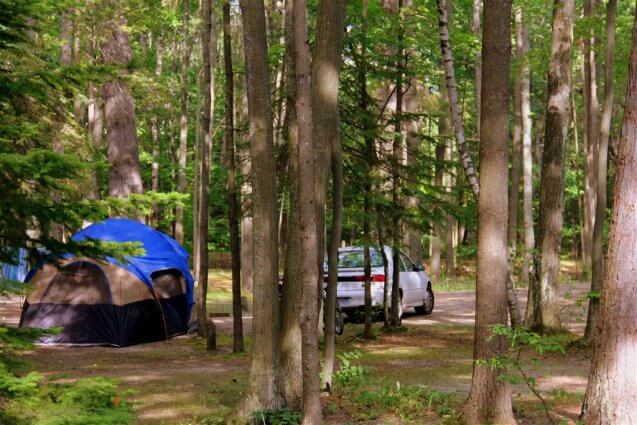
{"x": 419, "y": 268}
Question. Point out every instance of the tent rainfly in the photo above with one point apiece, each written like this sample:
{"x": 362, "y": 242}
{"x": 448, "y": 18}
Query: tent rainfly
{"x": 107, "y": 302}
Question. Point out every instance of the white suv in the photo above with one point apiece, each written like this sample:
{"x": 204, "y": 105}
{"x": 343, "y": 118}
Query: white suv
{"x": 415, "y": 284}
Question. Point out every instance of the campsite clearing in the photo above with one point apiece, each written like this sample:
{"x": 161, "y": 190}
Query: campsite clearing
{"x": 179, "y": 382}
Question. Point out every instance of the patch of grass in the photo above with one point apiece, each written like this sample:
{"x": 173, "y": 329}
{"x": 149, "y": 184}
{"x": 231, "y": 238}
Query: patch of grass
{"x": 454, "y": 283}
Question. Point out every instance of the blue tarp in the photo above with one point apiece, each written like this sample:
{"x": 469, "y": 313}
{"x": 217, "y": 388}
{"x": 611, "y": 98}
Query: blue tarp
{"x": 18, "y": 271}
{"x": 162, "y": 251}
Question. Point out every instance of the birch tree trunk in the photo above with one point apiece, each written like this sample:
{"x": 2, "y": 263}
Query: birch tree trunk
{"x": 611, "y": 394}
{"x": 233, "y": 203}
{"x": 452, "y": 94}
{"x": 183, "y": 122}
{"x": 597, "y": 262}
{"x": 490, "y": 398}
{"x": 264, "y": 388}
{"x": 543, "y": 290}
{"x": 527, "y": 154}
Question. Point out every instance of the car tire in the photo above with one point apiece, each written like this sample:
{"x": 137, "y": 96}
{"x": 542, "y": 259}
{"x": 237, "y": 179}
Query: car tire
{"x": 427, "y": 306}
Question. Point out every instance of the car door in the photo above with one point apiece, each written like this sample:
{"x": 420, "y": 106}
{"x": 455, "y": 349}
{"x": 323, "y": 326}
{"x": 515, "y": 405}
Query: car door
{"x": 409, "y": 282}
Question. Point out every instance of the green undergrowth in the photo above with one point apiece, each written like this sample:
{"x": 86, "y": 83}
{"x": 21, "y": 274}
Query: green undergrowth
{"x": 27, "y": 398}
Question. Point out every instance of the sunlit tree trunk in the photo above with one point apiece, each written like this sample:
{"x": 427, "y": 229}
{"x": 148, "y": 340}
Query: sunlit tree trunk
{"x": 233, "y": 203}
{"x": 490, "y": 398}
{"x": 591, "y": 126}
{"x": 475, "y": 29}
{"x": 452, "y": 94}
{"x": 611, "y": 394}
{"x": 183, "y": 122}
{"x": 119, "y": 110}
{"x": 413, "y": 234}
{"x": 436, "y": 241}
{"x": 264, "y": 388}
{"x": 543, "y": 297}
{"x": 154, "y": 132}
{"x": 325, "y": 85}
{"x": 602, "y": 173}
{"x": 395, "y": 176}
{"x": 209, "y": 60}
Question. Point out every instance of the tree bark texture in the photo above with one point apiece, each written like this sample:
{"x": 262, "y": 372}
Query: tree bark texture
{"x": 326, "y": 64}
{"x": 307, "y": 275}
{"x": 543, "y": 311}
{"x": 436, "y": 241}
{"x": 209, "y": 60}
{"x": 233, "y": 202}
{"x": 395, "y": 177}
{"x": 490, "y": 398}
{"x": 527, "y": 153}
{"x": 292, "y": 295}
{"x": 452, "y": 94}
{"x": 591, "y": 126}
{"x": 332, "y": 265}
{"x": 264, "y": 389}
{"x": 597, "y": 263}
{"x": 611, "y": 395}
{"x": 119, "y": 110}
{"x": 183, "y": 122}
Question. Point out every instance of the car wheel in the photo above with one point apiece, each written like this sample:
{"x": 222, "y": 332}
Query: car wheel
{"x": 427, "y": 305}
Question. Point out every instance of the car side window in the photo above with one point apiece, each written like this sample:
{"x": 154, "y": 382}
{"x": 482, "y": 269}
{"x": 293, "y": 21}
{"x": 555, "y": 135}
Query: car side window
{"x": 406, "y": 264}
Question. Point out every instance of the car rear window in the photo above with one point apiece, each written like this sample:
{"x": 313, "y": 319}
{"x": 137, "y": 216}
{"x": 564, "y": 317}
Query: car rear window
{"x": 354, "y": 259}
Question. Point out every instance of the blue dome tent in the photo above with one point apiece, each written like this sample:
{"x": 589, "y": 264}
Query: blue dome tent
{"x": 105, "y": 301}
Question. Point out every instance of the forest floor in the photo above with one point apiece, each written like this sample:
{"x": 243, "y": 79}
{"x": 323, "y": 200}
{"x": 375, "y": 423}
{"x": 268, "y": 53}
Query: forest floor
{"x": 420, "y": 374}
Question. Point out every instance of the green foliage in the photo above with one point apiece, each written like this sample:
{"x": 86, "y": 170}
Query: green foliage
{"x": 276, "y": 417}
{"x": 350, "y": 374}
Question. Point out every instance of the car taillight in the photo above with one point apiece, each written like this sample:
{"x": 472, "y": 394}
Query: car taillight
{"x": 375, "y": 278}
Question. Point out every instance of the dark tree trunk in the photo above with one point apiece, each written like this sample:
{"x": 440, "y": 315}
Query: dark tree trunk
{"x": 395, "y": 178}
{"x": 490, "y": 398}
{"x": 233, "y": 203}
{"x": 543, "y": 311}
{"x": 611, "y": 394}
{"x": 307, "y": 209}
{"x": 597, "y": 262}
{"x": 264, "y": 388}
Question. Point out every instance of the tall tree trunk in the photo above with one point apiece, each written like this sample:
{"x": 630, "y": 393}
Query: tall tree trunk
{"x": 395, "y": 176}
{"x": 292, "y": 292}
{"x": 543, "y": 290}
{"x": 436, "y": 241}
{"x": 325, "y": 85}
{"x": 490, "y": 398}
{"x": 332, "y": 264}
{"x": 306, "y": 197}
{"x": 452, "y": 94}
{"x": 183, "y": 122}
{"x": 119, "y": 107}
{"x": 475, "y": 29}
{"x": 330, "y": 26}
{"x": 209, "y": 60}
{"x": 591, "y": 125}
{"x": 611, "y": 394}
{"x": 264, "y": 388}
{"x": 447, "y": 180}
{"x": 233, "y": 210}
{"x": 413, "y": 234}
{"x": 527, "y": 154}
{"x": 602, "y": 173}
{"x": 154, "y": 131}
